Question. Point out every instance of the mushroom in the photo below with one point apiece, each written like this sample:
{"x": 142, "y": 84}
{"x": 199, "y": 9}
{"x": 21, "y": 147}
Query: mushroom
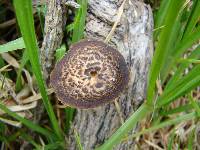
{"x": 91, "y": 74}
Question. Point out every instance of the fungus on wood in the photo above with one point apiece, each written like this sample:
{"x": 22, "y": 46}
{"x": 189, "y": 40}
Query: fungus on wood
{"x": 91, "y": 74}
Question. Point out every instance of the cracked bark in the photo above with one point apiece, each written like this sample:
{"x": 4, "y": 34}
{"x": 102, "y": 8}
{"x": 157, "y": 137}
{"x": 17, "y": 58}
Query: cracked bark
{"x": 133, "y": 38}
{"x": 55, "y": 21}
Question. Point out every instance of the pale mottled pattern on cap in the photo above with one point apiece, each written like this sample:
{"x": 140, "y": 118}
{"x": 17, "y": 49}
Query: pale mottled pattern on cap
{"x": 91, "y": 74}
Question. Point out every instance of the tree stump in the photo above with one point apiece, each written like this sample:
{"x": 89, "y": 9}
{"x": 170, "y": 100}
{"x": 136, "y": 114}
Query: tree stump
{"x": 133, "y": 38}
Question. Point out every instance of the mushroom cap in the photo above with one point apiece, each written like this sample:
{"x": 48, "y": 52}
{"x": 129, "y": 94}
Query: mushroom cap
{"x": 89, "y": 75}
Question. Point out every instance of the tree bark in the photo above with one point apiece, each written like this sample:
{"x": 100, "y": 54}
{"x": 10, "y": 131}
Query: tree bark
{"x": 55, "y": 21}
{"x": 133, "y": 38}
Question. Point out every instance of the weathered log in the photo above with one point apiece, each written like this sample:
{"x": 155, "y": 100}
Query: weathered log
{"x": 133, "y": 38}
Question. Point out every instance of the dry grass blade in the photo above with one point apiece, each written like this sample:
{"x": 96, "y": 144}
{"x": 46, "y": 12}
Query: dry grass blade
{"x": 153, "y": 145}
{"x": 6, "y": 84}
{"x": 36, "y": 97}
{"x": 30, "y": 81}
{"x": 159, "y": 87}
{"x": 24, "y": 93}
{"x": 119, "y": 111}
{"x": 17, "y": 108}
{"x": 10, "y": 60}
{"x": 159, "y": 28}
{"x": 11, "y": 122}
{"x": 7, "y": 23}
{"x": 4, "y": 68}
{"x": 13, "y": 62}
{"x": 119, "y": 14}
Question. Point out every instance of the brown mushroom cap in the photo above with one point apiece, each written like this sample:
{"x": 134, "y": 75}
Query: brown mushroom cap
{"x": 91, "y": 74}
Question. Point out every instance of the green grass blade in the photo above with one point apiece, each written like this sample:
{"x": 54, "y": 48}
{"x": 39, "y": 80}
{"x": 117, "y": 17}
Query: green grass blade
{"x": 175, "y": 38}
{"x": 41, "y": 10}
{"x": 2, "y": 132}
{"x": 69, "y": 27}
{"x": 161, "y": 15}
{"x": 181, "y": 91}
{"x": 195, "y": 15}
{"x": 78, "y": 140}
{"x": 191, "y": 140}
{"x": 179, "y": 109}
{"x": 171, "y": 140}
{"x": 26, "y": 24}
{"x": 60, "y": 52}
{"x": 76, "y": 32}
{"x": 2, "y": 138}
{"x": 178, "y": 73}
{"x": 12, "y": 45}
{"x": 31, "y": 141}
{"x": 194, "y": 104}
{"x": 163, "y": 44}
{"x": 169, "y": 122}
{"x": 129, "y": 124}
{"x": 13, "y": 137}
{"x": 186, "y": 43}
{"x": 24, "y": 60}
{"x": 54, "y": 146}
{"x": 1, "y": 62}
{"x": 69, "y": 113}
{"x": 79, "y": 24}
{"x": 185, "y": 85}
{"x": 194, "y": 61}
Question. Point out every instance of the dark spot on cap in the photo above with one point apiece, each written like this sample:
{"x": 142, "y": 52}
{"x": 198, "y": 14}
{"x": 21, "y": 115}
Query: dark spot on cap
{"x": 99, "y": 85}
